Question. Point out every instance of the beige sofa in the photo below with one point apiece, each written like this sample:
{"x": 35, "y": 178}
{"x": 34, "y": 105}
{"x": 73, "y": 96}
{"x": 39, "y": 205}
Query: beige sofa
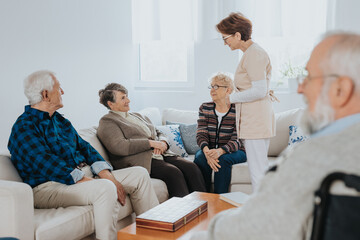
{"x": 20, "y": 219}
{"x": 240, "y": 178}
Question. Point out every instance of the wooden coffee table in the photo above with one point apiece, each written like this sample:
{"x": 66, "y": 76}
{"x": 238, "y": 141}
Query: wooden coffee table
{"x": 215, "y": 205}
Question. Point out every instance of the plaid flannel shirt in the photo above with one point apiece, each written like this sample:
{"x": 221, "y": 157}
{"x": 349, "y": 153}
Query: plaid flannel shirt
{"x": 45, "y": 148}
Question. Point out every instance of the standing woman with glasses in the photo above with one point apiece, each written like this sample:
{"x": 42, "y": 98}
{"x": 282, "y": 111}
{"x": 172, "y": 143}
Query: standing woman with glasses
{"x": 254, "y": 114}
{"x": 216, "y": 136}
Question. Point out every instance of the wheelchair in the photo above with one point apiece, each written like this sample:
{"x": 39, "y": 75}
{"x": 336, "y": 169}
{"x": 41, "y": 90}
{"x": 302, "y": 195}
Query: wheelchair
{"x": 337, "y": 217}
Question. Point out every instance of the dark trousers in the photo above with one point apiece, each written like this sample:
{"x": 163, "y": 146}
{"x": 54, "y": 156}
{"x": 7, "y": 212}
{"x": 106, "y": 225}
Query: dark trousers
{"x": 222, "y": 178}
{"x": 181, "y": 176}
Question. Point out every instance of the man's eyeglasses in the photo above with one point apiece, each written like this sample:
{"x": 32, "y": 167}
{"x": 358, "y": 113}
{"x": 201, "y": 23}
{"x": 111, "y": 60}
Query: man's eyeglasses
{"x": 305, "y": 78}
{"x": 216, "y": 87}
{"x": 226, "y": 37}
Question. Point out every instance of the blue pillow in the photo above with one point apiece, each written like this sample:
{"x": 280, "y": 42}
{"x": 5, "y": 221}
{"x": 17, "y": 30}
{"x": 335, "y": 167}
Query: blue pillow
{"x": 188, "y": 135}
{"x": 172, "y": 132}
{"x": 296, "y": 135}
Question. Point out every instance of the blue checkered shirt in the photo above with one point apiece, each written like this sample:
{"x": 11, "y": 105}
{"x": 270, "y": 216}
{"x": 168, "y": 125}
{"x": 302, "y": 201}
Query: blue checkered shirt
{"x": 45, "y": 148}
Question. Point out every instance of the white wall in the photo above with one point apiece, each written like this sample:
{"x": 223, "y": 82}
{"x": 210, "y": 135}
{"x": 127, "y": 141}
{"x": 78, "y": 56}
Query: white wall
{"x": 345, "y": 15}
{"x": 88, "y": 44}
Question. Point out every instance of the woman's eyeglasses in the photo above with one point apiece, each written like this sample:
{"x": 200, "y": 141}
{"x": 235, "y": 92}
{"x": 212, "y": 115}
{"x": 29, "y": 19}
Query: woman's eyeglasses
{"x": 226, "y": 37}
{"x": 216, "y": 87}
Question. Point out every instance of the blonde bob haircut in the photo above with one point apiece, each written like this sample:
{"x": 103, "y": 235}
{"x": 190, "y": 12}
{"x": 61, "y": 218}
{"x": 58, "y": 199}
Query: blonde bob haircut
{"x": 222, "y": 79}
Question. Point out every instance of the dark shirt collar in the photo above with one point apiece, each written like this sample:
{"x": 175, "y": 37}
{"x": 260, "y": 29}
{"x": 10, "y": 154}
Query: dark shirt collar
{"x": 38, "y": 113}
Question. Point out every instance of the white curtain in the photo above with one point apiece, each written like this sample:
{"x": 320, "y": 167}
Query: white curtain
{"x": 287, "y": 29}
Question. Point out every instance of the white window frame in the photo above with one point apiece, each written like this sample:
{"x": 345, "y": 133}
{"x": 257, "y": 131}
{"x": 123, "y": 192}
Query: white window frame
{"x": 168, "y": 85}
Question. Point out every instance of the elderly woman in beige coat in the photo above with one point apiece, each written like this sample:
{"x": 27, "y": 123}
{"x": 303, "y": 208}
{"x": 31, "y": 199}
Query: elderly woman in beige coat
{"x": 132, "y": 140}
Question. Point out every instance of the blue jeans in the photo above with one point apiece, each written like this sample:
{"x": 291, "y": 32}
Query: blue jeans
{"x": 222, "y": 178}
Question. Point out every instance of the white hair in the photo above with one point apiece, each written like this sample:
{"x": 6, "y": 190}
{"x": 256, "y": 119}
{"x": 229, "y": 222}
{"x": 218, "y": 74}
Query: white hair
{"x": 343, "y": 57}
{"x": 322, "y": 116}
{"x": 36, "y": 83}
{"x": 223, "y": 78}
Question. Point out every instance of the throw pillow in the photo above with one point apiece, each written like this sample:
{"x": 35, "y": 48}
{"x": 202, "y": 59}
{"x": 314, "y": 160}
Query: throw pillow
{"x": 188, "y": 135}
{"x": 172, "y": 132}
{"x": 296, "y": 135}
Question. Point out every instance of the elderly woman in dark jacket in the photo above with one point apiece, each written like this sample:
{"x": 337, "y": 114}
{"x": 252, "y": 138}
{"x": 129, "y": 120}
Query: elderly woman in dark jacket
{"x": 132, "y": 140}
{"x": 216, "y": 135}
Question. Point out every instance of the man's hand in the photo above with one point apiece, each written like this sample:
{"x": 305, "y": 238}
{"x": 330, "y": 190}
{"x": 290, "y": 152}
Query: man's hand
{"x": 106, "y": 174}
{"x": 85, "y": 179}
{"x": 120, "y": 192}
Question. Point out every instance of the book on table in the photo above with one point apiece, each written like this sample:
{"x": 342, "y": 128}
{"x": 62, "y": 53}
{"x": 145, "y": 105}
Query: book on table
{"x": 171, "y": 214}
{"x": 235, "y": 198}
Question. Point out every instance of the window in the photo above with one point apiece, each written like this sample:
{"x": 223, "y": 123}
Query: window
{"x": 165, "y": 64}
{"x": 164, "y": 30}
{"x": 288, "y": 30}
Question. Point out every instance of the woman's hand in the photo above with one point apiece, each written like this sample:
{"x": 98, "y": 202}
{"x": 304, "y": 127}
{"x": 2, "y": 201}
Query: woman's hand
{"x": 212, "y": 161}
{"x": 159, "y": 146}
{"x": 216, "y": 153}
{"x": 157, "y": 151}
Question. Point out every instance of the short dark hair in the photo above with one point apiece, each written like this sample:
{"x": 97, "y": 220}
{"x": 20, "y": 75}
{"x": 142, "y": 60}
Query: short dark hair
{"x": 236, "y": 22}
{"x": 108, "y": 93}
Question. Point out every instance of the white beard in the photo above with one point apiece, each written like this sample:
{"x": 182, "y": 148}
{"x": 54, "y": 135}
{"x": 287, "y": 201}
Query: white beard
{"x": 322, "y": 116}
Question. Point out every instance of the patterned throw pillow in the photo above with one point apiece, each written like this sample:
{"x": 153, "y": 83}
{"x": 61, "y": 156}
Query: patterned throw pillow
{"x": 172, "y": 132}
{"x": 188, "y": 135}
{"x": 296, "y": 135}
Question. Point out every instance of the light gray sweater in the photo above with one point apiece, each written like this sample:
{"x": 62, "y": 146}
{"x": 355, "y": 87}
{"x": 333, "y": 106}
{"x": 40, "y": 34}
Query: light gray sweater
{"x": 283, "y": 206}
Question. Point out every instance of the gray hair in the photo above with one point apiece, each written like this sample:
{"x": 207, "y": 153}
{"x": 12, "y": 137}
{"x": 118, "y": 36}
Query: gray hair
{"x": 343, "y": 58}
{"x": 36, "y": 83}
{"x": 223, "y": 78}
{"x": 108, "y": 93}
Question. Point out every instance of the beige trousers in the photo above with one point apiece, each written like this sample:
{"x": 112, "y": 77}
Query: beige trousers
{"x": 102, "y": 194}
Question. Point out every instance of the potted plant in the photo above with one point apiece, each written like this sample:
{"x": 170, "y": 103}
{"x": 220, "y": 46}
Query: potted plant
{"x": 291, "y": 72}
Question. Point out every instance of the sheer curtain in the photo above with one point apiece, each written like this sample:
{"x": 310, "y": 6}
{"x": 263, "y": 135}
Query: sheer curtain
{"x": 287, "y": 29}
{"x": 164, "y": 20}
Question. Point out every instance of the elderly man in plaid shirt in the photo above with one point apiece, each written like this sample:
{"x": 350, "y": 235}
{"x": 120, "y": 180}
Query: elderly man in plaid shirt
{"x": 63, "y": 169}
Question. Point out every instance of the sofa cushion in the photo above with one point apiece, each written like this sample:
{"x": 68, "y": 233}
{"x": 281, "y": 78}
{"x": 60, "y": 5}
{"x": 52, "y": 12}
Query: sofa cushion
{"x": 172, "y": 133}
{"x": 153, "y": 113}
{"x": 296, "y": 135}
{"x": 188, "y": 135}
{"x": 7, "y": 169}
{"x": 180, "y": 116}
{"x": 17, "y": 209}
{"x": 89, "y": 135}
{"x": 240, "y": 173}
{"x": 283, "y": 121}
{"x": 73, "y": 222}
{"x": 160, "y": 189}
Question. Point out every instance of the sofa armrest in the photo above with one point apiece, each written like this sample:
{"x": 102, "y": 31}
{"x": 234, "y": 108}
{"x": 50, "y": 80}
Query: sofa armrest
{"x": 17, "y": 210}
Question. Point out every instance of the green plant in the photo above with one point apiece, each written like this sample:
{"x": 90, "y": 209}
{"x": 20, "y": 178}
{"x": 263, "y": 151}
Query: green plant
{"x": 290, "y": 71}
